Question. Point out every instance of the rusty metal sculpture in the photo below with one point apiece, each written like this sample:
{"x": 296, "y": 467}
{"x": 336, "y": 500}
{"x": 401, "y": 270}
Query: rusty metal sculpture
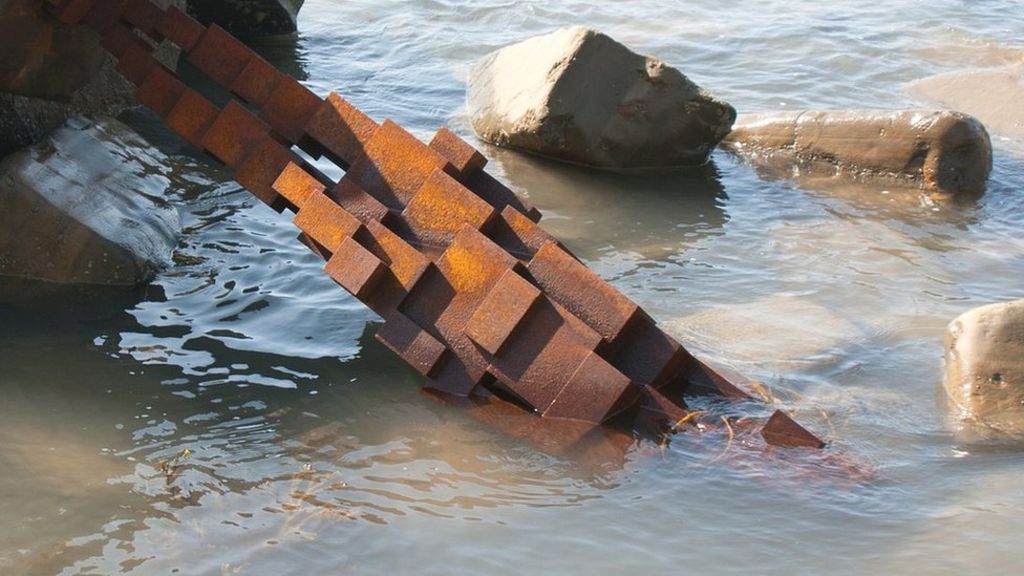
{"x": 475, "y": 295}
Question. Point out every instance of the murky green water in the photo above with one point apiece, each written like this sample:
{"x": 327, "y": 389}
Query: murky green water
{"x": 311, "y": 450}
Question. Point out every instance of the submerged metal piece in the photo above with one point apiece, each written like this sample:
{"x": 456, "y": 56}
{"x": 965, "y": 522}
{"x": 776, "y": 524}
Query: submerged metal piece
{"x": 476, "y": 296}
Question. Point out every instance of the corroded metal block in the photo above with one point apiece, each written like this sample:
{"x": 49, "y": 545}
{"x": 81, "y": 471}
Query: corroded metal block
{"x": 72, "y": 11}
{"x": 517, "y": 234}
{"x": 354, "y": 199}
{"x": 160, "y": 91}
{"x": 104, "y": 14}
{"x": 355, "y": 268}
{"x": 144, "y": 15}
{"x": 180, "y": 28}
{"x": 459, "y": 153}
{"x": 581, "y": 291}
{"x": 137, "y": 63}
{"x": 596, "y": 392}
{"x": 220, "y": 55}
{"x": 502, "y": 311}
{"x": 191, "y": 115}
{"x": 232, "y": 133}
{"x": 478, "y": 298}
{"x": 341, "y": 130}
{"x": 394, "y": 166}
{"x": 257, "y": 81}
{"x": 328, "y": 224}
{"x": 296, "y": 184}
{"x": 440, "y": 208}
{"x": 412, "y": 343}
{"x": 263, "y": 162}
{"x": 781, "y": 430}
{"x": 289, "y": 107}
{"x": 117, "y": 39}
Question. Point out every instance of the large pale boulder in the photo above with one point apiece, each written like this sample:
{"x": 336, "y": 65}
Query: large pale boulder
{"x": 86, "y": 206}
{"x": 940, "y": 152}
{"x": 578, "y": 96}
{"x": 984, "y": 379}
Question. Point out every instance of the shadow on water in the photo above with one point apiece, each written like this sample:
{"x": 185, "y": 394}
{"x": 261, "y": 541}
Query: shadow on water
{"x": 598, "y": 213}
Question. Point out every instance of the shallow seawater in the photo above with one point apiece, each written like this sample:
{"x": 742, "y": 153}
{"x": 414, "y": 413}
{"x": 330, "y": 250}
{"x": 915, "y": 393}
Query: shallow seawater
{"x": 237, "y": 416}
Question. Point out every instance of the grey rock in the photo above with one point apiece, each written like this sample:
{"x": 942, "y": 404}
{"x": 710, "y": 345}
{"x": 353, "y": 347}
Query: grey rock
{"x": 984, "y": 380}
{"x": 578, "y": 96}
{"x": 943, "y": 153}
{"x": 86, "y": 206}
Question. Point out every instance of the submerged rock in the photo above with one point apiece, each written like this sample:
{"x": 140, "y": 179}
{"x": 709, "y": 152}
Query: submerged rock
{"x": 942, "y": 153}
{"x": 86, "y": 206}
{"x": 248, "y": 18}
{"x": 984, "y": 379}
{"x": 578, "y": 96}
{"x": 994, "y": 95}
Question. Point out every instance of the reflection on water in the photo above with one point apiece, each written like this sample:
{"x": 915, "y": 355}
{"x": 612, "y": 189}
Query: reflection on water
{"x": 238, "y": 417}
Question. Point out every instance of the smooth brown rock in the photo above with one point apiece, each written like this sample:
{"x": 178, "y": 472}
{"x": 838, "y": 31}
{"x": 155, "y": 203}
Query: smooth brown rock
{"x": 578, "y": 96}
{"x": 85, "y": 206}
{"x": 984, "y": 379}
{"x": 942, "y": 153}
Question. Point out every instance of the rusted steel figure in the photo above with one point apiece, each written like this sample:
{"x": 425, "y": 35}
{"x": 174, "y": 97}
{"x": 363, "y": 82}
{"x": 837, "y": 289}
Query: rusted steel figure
{"x": 475, "y": 295}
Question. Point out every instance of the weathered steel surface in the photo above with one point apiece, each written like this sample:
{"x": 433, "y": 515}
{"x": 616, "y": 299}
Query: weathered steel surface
{"x": 477, "y": 297}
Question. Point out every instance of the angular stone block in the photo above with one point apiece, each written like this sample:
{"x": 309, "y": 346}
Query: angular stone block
{"x": 411, "y": 342}
{"x": 180, "y": 28}
{"x": 220, "y": 55}
{"x": 355, "y": 268}
{"x": 325, "y": 222}
{"x": 501, "y": 311}
{"x": 394, "y": 166}
{"x": 341, "y": 130}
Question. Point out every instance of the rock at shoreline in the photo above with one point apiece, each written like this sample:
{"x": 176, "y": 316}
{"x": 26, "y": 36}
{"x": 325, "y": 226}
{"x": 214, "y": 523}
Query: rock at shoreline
{"x": 578, "y": 96}
{"x": 86, "y": 206}
{"x": 248, "y": 18}
{"x": 994, "y": 95}
{"x": 984, "y": 379}
{"x": 942, "y": 153}
{"x": 51, "y": 71}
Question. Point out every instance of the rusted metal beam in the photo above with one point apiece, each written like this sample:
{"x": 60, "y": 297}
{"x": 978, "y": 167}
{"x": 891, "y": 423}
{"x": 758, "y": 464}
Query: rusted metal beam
{"x": 476, "y": 296}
